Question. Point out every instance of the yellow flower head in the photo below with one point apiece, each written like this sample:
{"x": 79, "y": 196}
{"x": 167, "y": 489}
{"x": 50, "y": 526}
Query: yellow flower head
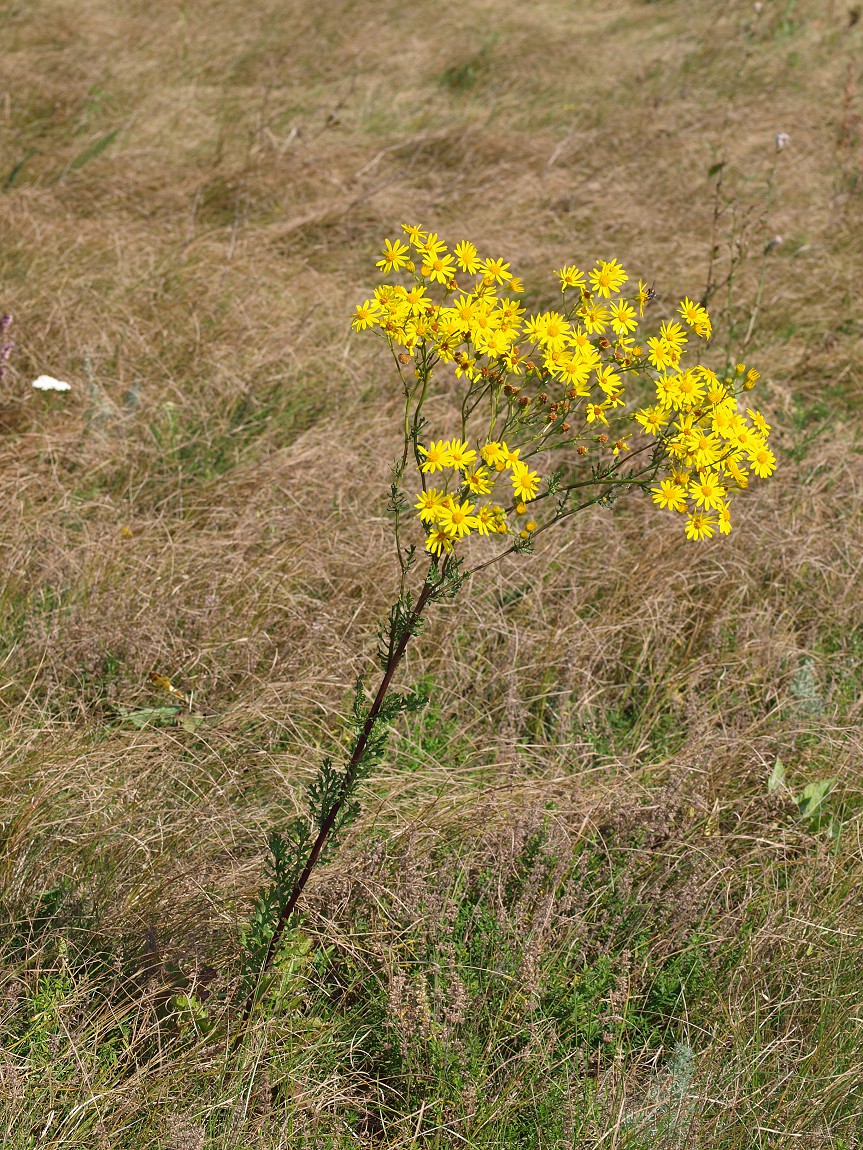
{"x": 595, "y": 411}
{"x": 394, "y": 257}
{"x": 696, "y": 316}
{"x": 707, "y": 491}
{"x": 429, "y": 504}
{"x": 431, "y": 246}
{"x": 460, "y": 456}
{"x": 607, "y": 278}
{"x": 456, "y": 520}
{"x": 494, "y": 455}
{"x": 689, "y": 389}
{"x": 673, "y": 334}
{"x": 437, "y": 456}
{"x": 608, "y": 379}
{"x": 594, "y": 317}
{"x": 736, "y": 472}
{"x": 417, "y": 300}
{"x": 623, "y": 319}
{"x": 466, "y": 257}
{"x": 669, "y": 494}
{"x": 510, "y": 456}
{"x": 478, "y": 481}
{"x": 486, "y": 519}
{"x": 758, "y": 420}
{"x": 661, "y": 354}
{"x": 652, "y": 419}
{"x": 496, "y": 271}
{"x": 438, "y": 541}
{"x": 700, "y": 526}
{"x": 524, "y": 481}
{"x": 570, "y": 277}
{"x": 690, "y": 311}
{"x": 761, "y": 459}
{"x": 366, "y": 314}
{"x": 437, "y": 268}
{"x": 706, "y": 447}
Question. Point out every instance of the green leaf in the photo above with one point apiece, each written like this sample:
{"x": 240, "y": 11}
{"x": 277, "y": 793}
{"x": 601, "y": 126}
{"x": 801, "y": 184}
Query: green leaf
{"x": 170, "y": 715}
{"x": 94, "y": 149}
{"x": 16, "y": 169}
{"x": 813, "y": 795}
{"x": 777, "y": 776}
{"x": 714, "y": 169}
{"x": 150, "y": 716}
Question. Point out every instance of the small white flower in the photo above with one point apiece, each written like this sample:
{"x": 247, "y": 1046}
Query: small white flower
{"x": 49, "y": 383}
{"x": 782, "y": 138}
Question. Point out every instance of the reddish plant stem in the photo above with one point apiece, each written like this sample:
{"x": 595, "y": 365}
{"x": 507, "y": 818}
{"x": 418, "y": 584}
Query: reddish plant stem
{"x": 350, "y": 772}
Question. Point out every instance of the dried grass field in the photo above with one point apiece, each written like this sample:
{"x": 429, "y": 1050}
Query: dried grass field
{"x": 583, "y": 906}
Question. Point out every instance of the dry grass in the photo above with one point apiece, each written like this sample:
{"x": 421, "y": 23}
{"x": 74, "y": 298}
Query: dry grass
{"x": 570, "y": 866}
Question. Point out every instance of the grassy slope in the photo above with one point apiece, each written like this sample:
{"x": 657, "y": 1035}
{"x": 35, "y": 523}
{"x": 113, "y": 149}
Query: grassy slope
{"x": 573, "y": 914}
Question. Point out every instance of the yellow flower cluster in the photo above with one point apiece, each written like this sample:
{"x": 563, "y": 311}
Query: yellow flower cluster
{"x": 711, "y": 446}
{"x": 554, "y": 379}
{"x": 450, "y": 516}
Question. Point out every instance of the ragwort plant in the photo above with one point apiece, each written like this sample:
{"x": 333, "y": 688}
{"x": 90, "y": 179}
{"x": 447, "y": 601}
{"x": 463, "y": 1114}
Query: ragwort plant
{"x": 558, "y": 411}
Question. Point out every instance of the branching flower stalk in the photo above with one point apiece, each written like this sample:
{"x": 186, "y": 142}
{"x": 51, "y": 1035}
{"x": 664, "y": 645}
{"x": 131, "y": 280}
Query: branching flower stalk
{"x": 331, "y": 803}
{"x": 574, "y": 385}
